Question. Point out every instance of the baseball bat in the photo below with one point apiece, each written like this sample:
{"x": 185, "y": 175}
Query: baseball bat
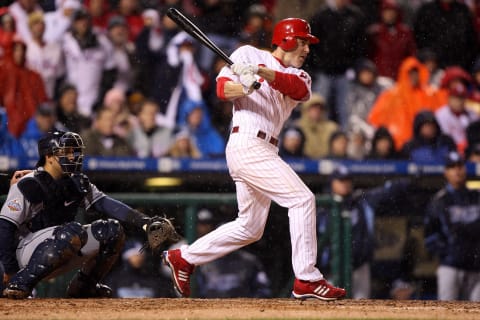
{"x": 190, "y": 28}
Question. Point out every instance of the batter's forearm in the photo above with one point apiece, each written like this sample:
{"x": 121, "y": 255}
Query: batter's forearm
{"x": 266, "y": 73}
{"x": 233, "y": 90}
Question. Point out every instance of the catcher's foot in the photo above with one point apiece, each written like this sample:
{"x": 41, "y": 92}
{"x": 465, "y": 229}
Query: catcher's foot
{"x": 16, "y": 291}
{"x": 317, "y": 290}
{"x": 82, "y": 287}
{"x": 181, "y": 271}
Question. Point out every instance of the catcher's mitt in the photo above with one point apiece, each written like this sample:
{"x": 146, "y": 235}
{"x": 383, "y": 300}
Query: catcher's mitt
{"x": 159, "y": 230}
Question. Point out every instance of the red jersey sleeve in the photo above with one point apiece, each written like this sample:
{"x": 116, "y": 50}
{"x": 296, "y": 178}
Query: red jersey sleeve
{"x": 290, "y": 85}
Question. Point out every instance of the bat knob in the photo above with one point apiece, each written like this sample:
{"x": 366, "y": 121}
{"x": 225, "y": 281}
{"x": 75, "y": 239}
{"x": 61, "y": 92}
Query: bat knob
{"x": 257, "y": 85}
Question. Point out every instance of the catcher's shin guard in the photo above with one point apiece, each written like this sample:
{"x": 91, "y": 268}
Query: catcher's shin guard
{"x": 49, "y": 255}
{"x": 86, "y": 283}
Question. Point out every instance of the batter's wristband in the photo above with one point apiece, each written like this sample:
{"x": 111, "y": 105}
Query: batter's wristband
{"x": 221, "y": 87}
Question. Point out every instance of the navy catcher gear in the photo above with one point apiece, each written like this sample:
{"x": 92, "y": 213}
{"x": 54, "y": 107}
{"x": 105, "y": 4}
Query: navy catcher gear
{"x": 47, "y": 258}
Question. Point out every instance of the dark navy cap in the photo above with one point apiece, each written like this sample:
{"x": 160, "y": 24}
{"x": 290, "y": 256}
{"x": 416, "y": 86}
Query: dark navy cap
{"x": 341, "y": 173}
{"x": 454, "y": 159}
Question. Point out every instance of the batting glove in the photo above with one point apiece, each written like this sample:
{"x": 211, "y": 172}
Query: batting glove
{"x": 247, "y": 80}
{"x": 244, "y": 68}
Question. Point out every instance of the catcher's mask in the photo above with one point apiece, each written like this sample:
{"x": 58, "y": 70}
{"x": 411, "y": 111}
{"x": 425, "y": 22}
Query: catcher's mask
{"x": 66, "y": 146}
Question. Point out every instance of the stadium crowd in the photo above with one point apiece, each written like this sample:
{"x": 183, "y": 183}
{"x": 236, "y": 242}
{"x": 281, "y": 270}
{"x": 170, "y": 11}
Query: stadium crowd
{"x": 391, "y": 78}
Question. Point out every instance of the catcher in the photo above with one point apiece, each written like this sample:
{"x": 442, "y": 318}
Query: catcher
{"x": 39, "y": 238}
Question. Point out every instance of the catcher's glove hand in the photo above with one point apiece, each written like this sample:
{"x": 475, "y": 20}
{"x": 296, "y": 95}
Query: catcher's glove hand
{"x": 159, "y": 230}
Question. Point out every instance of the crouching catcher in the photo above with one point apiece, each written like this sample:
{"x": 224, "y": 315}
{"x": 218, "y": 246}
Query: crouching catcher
{"x": 39, "y": 237}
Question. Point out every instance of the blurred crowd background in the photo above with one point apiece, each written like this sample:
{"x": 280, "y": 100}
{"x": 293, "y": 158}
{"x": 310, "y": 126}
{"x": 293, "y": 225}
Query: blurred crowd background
{"x": 391, "y": 78}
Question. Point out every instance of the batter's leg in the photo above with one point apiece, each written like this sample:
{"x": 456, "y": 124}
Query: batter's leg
{"x": 247, "y": 228}
{"x": 275, "y": 179}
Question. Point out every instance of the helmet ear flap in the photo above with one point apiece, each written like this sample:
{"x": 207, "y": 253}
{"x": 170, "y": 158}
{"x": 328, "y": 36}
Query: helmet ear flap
{"x": 289, "y": 43}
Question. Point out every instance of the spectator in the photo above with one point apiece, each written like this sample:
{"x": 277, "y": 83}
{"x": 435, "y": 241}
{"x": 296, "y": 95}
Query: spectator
{"x": 59, "y": 21}
{"x": 44, "y": 58}
{"x": 44, "y": 121}
{"x": 130, "y": 10}
{"x": 473, "y": 133}
{"x": 361, "y": 206}
{"x": 194, "y": 116}
{"x": 257, "y": 30}
{"x": 473, "y": 140}
{"x": 137, "y": 276}
{"x": 7, "y": 32}
{"x": 20, "y": 9}
{"x": 89, "y": 65}
{"x": 183, "y": 146}
{"x": 391, "y": 41}
{"x": 341, "y": 26}
{"x": 180, "y": 52}
{"x": 100, "y": 12}
{"x": 451, "y": 233}
{"x": 67, "y": 110}
{"x": 430, "y": 60}
{"x": 316, "y": 126}
{"x": 428, "y": 144}
{"x": 292, "y": 142}
{"x": 473, "y": 153}
{"x": 238, "y": 274}
{"x": 20, "y": 89}
{"x": 446, "y": 27}
{"x": 115, "y": 99}
{"x": 338, "y": 145}
{"x": 9, "y": 146}
{"x": 123, "y": 52}
{"x": 473, "y": 103}
{"x": 363, "y": 90}
{"x": 154, "y": 71}
{"x": 102, "y": 141}
{"x": 454, "y": 117}
{"x": 383, "y": 146}
{"x": 358, "y": 144}
{"x": 147, "y": 138}
{"x": 220, "y": 21}
{"x": 396, "y": 107}
{"x": 452, "y": 77}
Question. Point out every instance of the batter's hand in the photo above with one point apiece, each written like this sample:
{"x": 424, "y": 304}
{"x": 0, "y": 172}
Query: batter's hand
{"x": 247, "y": 80}
{"x": 244, "y": 68}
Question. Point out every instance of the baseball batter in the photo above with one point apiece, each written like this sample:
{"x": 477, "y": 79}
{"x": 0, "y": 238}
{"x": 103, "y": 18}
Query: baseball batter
{"x": 260, "y": 175}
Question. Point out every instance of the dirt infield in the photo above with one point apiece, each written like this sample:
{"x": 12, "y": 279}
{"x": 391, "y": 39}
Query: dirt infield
{"x": 145, "y": 309}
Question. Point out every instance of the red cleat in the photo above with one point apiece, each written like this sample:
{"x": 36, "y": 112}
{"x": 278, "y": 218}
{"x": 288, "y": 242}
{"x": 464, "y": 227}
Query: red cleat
{"x": 181, "y": 271}
{"x": 318, "y": 290}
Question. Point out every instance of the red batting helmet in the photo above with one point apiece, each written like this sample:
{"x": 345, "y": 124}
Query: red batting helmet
{"x": 287, "y": 30}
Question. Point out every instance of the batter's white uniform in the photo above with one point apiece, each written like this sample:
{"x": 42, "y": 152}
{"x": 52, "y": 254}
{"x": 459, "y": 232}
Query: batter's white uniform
{"x": 261, "y": 176}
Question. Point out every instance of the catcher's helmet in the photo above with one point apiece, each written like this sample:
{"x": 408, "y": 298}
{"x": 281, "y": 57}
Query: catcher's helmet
{"x": 67, "y": 146}
{"x": 287, "y": 30}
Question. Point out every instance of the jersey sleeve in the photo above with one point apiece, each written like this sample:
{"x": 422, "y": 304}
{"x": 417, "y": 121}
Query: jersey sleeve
{"x": 15, "y": 207}
{"x": 93, "y": 196}
{"x": 241, "y": 55}
{"x": 302, "y": 78}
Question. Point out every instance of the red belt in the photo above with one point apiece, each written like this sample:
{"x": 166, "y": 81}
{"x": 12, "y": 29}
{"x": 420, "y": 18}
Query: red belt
{"x": 260, "y": 134}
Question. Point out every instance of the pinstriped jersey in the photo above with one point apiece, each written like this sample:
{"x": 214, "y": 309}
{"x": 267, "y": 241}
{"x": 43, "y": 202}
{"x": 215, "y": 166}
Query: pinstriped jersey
{"x": 265, "y": 109}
